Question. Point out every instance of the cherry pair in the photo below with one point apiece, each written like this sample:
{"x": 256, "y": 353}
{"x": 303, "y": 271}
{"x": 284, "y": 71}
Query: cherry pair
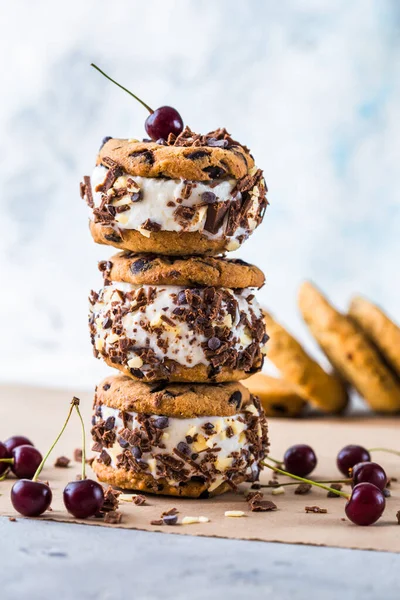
{"x": 83, "y": 498}
{"x": 19, "y": 454}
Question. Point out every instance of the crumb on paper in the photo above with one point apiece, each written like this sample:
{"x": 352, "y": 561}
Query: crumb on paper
{"x": 315, "y": 509}
{"x": 258, "y": 504}
{"x": 303, "y": 488}
{"x": 398, "y": 517}
{"x": 78, "y": 455}
{"x": 62, "y": 462}
{"x": 234, "y": 513}
{"x": 12, "y": 519}
{"x": 192, "y": 520}
{"x": 113, "y": 517}
{"x": 277, "y": 491}
{"x": 157, "y": 522}
{"x": 335, "y": 486}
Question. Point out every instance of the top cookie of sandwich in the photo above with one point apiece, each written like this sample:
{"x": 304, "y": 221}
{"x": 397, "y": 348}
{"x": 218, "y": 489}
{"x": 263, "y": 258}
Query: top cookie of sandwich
{"x": 189, "y": 156}
{"x": 153, "y": 269}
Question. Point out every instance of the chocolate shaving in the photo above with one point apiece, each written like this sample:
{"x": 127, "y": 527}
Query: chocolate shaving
{"x": 315, "y": 509}
{"x": 139, "y": 500}
{"x": 113, "y": 517}
{"x": 62, "y": 462}
{"x": 303, "y": 488}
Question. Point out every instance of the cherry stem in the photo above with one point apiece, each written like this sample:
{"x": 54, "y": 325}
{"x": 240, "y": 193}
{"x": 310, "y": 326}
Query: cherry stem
{"x": 10, "y": 461}
{"x": 389, "y": 450}
{"x": 83, "y": 438}
{"x": 345, "y": 481}
{"x": 303, "y": 480}
{"x": 123, "y": 88}
{"x": 277, "y": 462}
{"x": 4, "y": 476}
{"x": 40, "y": 467}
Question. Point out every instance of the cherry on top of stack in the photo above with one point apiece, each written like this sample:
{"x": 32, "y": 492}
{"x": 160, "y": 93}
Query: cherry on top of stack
{"x": 177, "y": 193}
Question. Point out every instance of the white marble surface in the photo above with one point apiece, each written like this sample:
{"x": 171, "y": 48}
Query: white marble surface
{"x": 312, "y": 87}
{"x": 43, "y": 560}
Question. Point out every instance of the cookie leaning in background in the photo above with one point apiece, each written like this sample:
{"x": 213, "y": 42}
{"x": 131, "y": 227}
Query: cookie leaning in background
{"x": 177, "y": 439}
{"x": 349, "y": 351}
{"x": 379, "y": 329}
{"x": 278, "y": 397}
{"x": 326, "y": 392}
{"x": 178, "y": 330}
{"x": 191, "y": 194}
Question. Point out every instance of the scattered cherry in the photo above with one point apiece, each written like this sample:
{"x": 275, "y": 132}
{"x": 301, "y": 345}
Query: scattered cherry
{"x": 84, "y": 498}
{"x": 31, "y": 498}
{"x": 161, "y": 122}
{"x": 4, "y": 454}
{"x": 26, "y": 460}
{"x": 369, "y": 472}
{"x": 351, "y": 455}
{"x": 300, "y": 460}
{"x": 15, "y": 441}
{"x": 366, "y": 504}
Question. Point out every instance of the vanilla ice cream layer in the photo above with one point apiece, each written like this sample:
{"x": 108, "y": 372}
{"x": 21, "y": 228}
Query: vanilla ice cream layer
{"x": 157, "y": 324}
{"x": 193, "y": 438}
{"x": 160, "y": 199}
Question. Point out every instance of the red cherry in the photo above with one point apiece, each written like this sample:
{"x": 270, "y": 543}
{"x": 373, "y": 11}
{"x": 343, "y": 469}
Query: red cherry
{"x": 163, "y": 121}
{"x": 4, "y": 454}
{"x": 366, "y": 504}
{"x": 15, "y": 441}
{"x": 369, "y": 472}
{"x": 83, "y": 498}
{"x": 26, "y": 461}
{"x": 300, "y": 460}
{"x": 351, "y": 455}
{"x": 31, "y": 498}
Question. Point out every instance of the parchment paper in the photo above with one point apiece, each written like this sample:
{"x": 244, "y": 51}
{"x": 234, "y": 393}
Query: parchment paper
{"x": 39, "y": 414}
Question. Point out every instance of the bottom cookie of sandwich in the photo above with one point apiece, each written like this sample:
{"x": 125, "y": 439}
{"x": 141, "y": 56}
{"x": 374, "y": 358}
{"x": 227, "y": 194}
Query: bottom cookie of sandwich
{"x": 185, "y": 440}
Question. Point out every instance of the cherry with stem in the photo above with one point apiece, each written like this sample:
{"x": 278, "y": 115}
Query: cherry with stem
{"x": 160, "y": 122}
{"x": 364, "y": 506}
{"x": 83, "y": 498}
{"x": 31, "y": 498}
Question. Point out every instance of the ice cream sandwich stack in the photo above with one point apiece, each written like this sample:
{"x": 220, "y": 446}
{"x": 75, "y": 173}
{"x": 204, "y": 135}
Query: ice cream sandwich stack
{"x": 180, "y": 323}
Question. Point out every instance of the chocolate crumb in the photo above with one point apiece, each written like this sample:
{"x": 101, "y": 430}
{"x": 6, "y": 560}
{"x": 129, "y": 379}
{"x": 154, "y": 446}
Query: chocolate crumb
{"x": 334, "y": 486}
{"x": 114, "y": 517}
{"x": 386, "y": 493}
{"x": 157, "y": 522}
{"x": 303, "y": 488}
{"x": 139, "y": 500}
{"x": 62, "y": 462}
{"x": 12, "y": 519}
{"x": 170, "y": 519}
{"x": 315, "y": 509}
{"x": 398, "y": 517}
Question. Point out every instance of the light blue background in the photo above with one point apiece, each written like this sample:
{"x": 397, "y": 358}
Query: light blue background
{"x": 311, "y": 86}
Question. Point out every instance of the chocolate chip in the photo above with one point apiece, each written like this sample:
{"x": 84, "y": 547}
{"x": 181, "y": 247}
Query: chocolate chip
{"x": 105, "y": 140}
{"x": 136, "y": 451}
{"x": 170, "y": 519}
{"x": 214, "y": 343}
{"x": 208, "y": 197}
{"x": 113, "y": 237}
{"x": 181, "y": 298}
{"x": 160, "y": 422}
{"x": 197, "y": 154}
{"x": 194, "y": 456}
{"x": 146, "y": 156}
{"x": 107, "y": 324}
{"x": 141, "y": 265}
{"x": 189, "y": 439}
{"x": 137, "y": 196}
{"x": 137, "y": 373}
{"x": 109, "y": 424}
{"x": 236, "y": 398}
{"x": 214, "y": 143}
{"x": 184, "y": 448}
{"x": 123, "y": 443}
{"x": 214, "y": 172}
{"x": 150, "y": 225}
{"x": 106, "y": 386}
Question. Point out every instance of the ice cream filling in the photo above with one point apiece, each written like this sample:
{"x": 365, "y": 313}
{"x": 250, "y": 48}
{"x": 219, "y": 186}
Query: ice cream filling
{"x": 212, "y": 449}
{"x": 141, "y": 326}
{"x": 159, "y": 204}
